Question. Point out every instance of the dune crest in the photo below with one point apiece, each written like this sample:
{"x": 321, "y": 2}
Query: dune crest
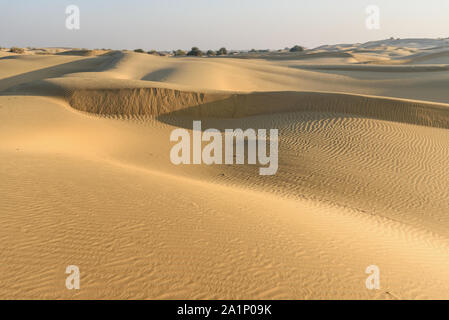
{"x": 155, "y": 102}
{"x": 136, "y": 102}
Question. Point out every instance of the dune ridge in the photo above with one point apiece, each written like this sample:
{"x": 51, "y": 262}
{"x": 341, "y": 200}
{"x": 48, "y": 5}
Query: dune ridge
{"x": 135, "y": 102}
{"x": 161, "y": 101}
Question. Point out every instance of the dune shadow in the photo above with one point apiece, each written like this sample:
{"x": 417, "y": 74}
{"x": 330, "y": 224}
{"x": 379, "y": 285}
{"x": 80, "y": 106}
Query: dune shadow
{"x": 18, "y": 83}
{"x": 239, "y": 106}
{"x": 84, "y": 53}
{"x": 159, "y": 75}
{"x": 10, "y": 57}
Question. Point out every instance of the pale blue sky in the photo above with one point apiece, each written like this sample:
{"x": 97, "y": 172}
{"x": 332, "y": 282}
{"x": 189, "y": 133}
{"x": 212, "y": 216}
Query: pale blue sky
{"x": 210, "y": 24}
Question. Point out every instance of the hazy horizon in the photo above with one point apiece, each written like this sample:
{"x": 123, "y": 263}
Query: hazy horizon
{"x": 173, "y": 24}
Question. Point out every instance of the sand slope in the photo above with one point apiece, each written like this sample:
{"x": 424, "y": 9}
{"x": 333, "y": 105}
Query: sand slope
{"x": 86, "y": 177}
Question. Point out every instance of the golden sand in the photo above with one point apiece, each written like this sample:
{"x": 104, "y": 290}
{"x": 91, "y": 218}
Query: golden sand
{"x": 363, "y": 177}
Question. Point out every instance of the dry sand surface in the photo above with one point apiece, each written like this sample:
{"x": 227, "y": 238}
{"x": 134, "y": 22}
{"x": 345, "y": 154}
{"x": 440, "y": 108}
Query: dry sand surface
{"x": 86, "y": 178}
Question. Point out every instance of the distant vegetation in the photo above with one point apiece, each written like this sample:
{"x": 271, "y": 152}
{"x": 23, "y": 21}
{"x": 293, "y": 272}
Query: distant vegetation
{"x": 179, "y": 53}
{"x": 259, "y": 51}
{"x": 297, "y": 49}
{"x": 17, "y": 50}
{"x": 157, "y": 53}
{"x": 195, "y": 52}
{"x": 222, "y": 51}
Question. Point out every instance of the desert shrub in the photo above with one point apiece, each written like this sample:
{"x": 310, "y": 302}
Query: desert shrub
{"x": 153, "y": 52}
{"x": 259, "y": 51}
{"x": 195, "y": 52}
{"x": 222, "y": 51}
{"x": 297, "y": 49}
{"x": 17, "y": 50}
{"x": 210, "y": 52}
{"x": 179, "y": 53}
{"x": 139, "y": 50}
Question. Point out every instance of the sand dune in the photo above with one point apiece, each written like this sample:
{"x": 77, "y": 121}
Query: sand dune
{"x": 363, "y": 175}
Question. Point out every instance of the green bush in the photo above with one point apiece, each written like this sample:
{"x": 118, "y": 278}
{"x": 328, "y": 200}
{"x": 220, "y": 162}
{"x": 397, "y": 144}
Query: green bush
{"x": 179, "y": 53}
{"x": 259, "y": 51}
{"x": 222, "y": 51}
{"x": 139, "y": 51}
{"x": 210, "y": 52}
{"x": 195, "y": 52}
{"x": 17, "y": 50}
{"x": 297, "y": 49}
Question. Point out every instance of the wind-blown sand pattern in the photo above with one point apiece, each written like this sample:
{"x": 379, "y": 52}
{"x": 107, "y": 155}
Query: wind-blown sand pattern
{"x": 363, "y": 177}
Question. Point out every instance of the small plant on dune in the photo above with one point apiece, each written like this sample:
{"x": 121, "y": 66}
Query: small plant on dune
{"x": 210, "y": 52}
{"x": 17, "y": 50}
{"x": 153, "y": 52}
{"x": 195, "y": 52}
{"x": 139, "y": 51}
{"x": 222, "y": 51}
{"x": 179, "y": 53}
{"x": 297, "y": 49}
